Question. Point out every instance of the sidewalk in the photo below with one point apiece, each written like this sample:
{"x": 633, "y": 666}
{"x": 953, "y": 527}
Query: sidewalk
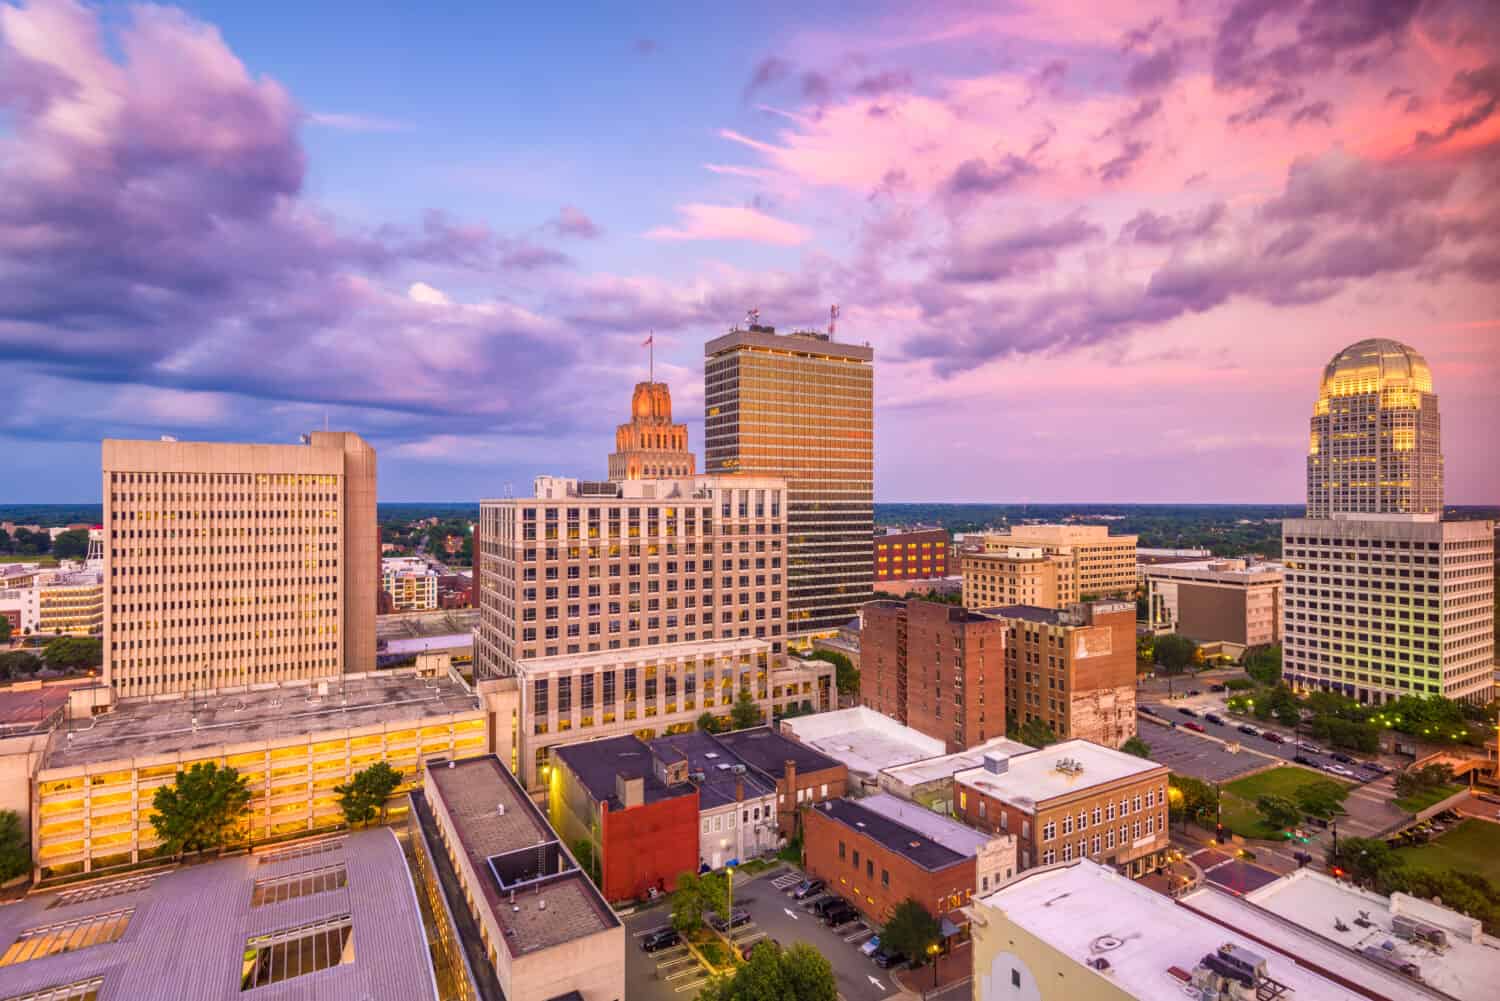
{"x": 953, "y": 968}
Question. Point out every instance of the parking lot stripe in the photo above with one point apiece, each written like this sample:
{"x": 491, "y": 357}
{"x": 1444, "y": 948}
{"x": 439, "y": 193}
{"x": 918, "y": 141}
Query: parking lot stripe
{"x": 690, "y": 986}
{"x": 863, "y": 933}
{"x": 686, "y": 971}
{"x": 648, "y": 931}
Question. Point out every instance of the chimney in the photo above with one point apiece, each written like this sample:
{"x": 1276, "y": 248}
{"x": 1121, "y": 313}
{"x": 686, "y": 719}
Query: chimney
{"x": 630, "y": 790}
{"x": 739, "y": 788}
{"x": 996, "y": 763}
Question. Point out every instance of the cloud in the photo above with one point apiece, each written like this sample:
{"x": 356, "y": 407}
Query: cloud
{"x": 1306, "y": 37}
{"x": 978, "y": 177}
{"x": 1118, "y": 168}
{"x": 345, "y": 122}
{"x": 572, "y": 221}
{"x": 768, "y": 71}
{"x": 731, "y": 222}
{"x": 423, "y": 292}
{"x": 1317, "y": 111}
{"x": 883, "y": 83}
{"x": 1154, "y": 72}
{"x": 1027, "y": 250}
{"x": 1148, "y": 227}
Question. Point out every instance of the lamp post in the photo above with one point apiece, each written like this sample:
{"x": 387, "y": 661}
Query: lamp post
{"x": 729, "y": 918}
{"x": 932, "y": 954}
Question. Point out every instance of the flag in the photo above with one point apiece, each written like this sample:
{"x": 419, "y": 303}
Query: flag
{"x": 649, "y": 340}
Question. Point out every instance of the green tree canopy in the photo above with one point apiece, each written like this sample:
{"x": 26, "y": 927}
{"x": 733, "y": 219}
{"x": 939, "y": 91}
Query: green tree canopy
{"x": 1322, "y": 798}
{"x": 73, "y": 653}
{"x": 15, "y": 849}
{"x": 1264, "y": 664}
{"x": 1135, "y": 745}
{"x": 746, "y": 711}
{"x": 201, "y": 810}
{"x": 1197, "y": 800}
{"x": 19, "y": 664}
{"x": 1174, "y": 652}
{"x": 910, "y": 930}
{"x": 1035, "y": 732}
{"x": 1278, "y": 811}
{"x": 799, "y": 973}
{"x": 364, "y": 796}
{"x": 4, "y": 629}
{"x": 694, "y": 895}
{"x": 708, "y": 723}
{"x": 846, "y": 675}
{"x": 72, "y": 545}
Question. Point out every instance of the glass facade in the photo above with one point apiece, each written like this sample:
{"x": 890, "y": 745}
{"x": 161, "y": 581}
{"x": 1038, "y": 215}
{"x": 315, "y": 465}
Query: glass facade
{"x": 800, "y": 407}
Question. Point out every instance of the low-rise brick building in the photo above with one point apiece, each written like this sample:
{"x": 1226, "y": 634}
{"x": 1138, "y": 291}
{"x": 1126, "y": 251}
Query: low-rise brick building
{"x": 916, "y": 554}
{"x": 802, "y": 775}
{"x": 878, "y": 851}
{"x": 1075, "y": 799}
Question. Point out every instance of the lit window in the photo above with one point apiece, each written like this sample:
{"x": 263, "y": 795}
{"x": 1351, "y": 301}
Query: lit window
{"x": 300, "y": 884}
{"x": 296, "y": 952}
{"x": 67, "y": 936}
{"x": 82, "y": 990}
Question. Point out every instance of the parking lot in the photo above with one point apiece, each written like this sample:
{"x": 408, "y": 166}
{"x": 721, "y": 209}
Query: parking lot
{"x": 671, "y": 974}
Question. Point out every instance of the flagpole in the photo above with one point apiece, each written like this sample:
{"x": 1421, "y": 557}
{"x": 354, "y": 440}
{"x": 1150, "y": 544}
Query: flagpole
{"x": 651, "y": 345}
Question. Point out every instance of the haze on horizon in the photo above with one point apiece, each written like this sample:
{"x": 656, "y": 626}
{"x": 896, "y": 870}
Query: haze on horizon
{"x": 1101, "y": 252}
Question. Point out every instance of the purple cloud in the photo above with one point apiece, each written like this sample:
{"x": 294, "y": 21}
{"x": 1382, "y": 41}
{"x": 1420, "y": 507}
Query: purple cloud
{"x": 1153, "y": 228}
{"x": 572, "y": 221}
{"x": 978, "y": 177}
{"x": 883, "y": 83}
{"x": 1156, "y": 71}
{"x": 768, "y": 71}
{"x": 1120, "y": 167}
{"x": 1028, "y": 250}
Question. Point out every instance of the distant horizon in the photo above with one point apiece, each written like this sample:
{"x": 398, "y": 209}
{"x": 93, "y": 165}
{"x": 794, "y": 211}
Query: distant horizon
{"x": 934, "y": 503}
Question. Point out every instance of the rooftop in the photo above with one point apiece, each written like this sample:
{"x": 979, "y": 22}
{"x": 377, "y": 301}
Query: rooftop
{"x": 1089, "y": 912}
{"x": 908, "y": 842}
{"x": 32, "y": 708}
{"x": 946, "y": 831}
{"x": 1027, "y": 613}
{"x": 598, "y": 763}
{"x": 1217, "y": 569}
{"x": 947, "y": 765}
{"x": 209, "y": 908}
{"x": 1468, "y": 969}
{"x": 141, "y": 727}
{"x": 763, "y": 748}
{"x": 797, "y": 342}
{"x": 863, "y": 739}
{"x": 705, "y": 754}
{"x": 1062, "y": 768}
{"x": 663, "y": 653}
{"x": 422, "y": 644}
{"x": 516, "y": 852}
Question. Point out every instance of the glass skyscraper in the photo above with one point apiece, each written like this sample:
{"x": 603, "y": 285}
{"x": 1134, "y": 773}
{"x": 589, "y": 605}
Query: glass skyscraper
{"x": 800, "y": 407}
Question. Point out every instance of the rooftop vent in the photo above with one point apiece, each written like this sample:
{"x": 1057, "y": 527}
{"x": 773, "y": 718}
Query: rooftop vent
{"x": 1070, "y": 766}
{"x": 500, "y": 810}
{"x": 996, "y": 763}
{"x": 711, "y": 754}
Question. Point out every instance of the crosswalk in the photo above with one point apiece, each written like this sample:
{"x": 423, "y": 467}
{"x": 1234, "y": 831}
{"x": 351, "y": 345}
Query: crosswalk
{"x": 786, "y": 881}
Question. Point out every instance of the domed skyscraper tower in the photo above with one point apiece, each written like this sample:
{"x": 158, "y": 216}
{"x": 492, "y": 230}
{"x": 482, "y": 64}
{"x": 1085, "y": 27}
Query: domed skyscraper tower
{"x": 1375, "y": 445}
{"x": 651, "y": 447}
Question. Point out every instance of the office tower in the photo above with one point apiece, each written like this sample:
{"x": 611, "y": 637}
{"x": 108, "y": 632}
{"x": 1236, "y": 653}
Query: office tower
{"x": 229, "y": 564}
{"x": 800, "y": 407}
{"x": 938, "y": 669}
{"x": 1374, "y": 447}
{"x": 1382, "y": 597}
{"x": 650, "y": 446}
{"x": 1232, "y": 602}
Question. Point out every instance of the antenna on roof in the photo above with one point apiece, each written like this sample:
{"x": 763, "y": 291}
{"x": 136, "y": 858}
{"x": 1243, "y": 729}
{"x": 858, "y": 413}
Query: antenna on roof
{"x": 752, "y": 317}
{"x": 833, "y": 319}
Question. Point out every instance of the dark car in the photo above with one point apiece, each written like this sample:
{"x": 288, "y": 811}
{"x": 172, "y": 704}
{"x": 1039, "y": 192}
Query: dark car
{"x": 1146, "y": 709}
{"x": 1214, "y": 718}
{"x": 1342, "y": 758}
{"x": 1194, "y": 691}
{"x": 822, "y": 905}
{"x": 1195, "y": 727}
{"x": 1274, "y": 737}
{"x": 1303, "y": 759}
{"x": 808, "y": 888}
{"x": 886, "y": 960}
{"x": 1186, "y": 711}
{"x": 1249, "y": 730}
{"x": 835, "y": 916}
{"x": 1217, "y": 687}
{"x": 662, "y": 938}
{"x": 738, "y": 916}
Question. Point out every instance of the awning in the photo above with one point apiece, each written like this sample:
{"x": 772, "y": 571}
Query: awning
{"x": 947, "y": 928}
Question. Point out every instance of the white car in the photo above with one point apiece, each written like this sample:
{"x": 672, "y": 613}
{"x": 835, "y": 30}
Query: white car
{"x": 1339, "y": 770}
{"x": 871, "y": 945}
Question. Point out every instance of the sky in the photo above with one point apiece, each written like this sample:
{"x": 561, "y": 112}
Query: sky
{"x": 1102, "y": 250}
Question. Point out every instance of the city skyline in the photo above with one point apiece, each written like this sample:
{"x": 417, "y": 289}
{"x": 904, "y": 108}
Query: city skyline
{"x": 1134, "y": 235}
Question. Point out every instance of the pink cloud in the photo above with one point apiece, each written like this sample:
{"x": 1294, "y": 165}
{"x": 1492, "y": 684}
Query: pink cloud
{"x": 731, "y": 222}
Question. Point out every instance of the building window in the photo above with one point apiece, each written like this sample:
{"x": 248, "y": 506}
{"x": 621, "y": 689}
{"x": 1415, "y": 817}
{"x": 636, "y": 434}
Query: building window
{"x": 296, "y": 952}
{"x": 300, "y": 884}
{"x": 67, "y": 936}
{"x": 82, "y": 990}
{"x": 841, "y": 849}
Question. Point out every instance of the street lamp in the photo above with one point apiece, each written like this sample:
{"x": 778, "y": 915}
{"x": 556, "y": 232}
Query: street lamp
{"x": 932, "y": 954}
{"x": 729, "y": 918}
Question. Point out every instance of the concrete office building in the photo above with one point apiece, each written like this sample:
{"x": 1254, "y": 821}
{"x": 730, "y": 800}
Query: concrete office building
{"x": 1375, "y": 444}
{"x": 800, "y": 407}
{"x": 1013, "y": 575}
{"x": 410, "y": 582}
{"x": 1232, "y": 602}
{"x": 520, "y": 921}
{"x": 333, "y": 917}
{"x": 1073, "y": 669}
{"x": 1088, "y": 561}
{"x": 935, "y": 668}
{"x": 22, "y": 606}
{"x": 879, "y": 851}
{"x": 70, "y": 603}
{"x": 911, "y": 554}
{"x": 651, "y": 446}
{"x": 1382, "y": 597}
{"x": 1071, "y": 800}
{"x": 229, "y": 564}
{"x": 582, "y": 568}
{"x": 1082, "y": 932}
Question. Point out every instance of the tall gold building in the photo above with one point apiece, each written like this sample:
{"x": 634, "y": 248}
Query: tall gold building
{"x": 1375, "y": 445}
{"x": 231, "y": 564}
{"x": 800, "y": 407}
{"x": 651, "y": 447}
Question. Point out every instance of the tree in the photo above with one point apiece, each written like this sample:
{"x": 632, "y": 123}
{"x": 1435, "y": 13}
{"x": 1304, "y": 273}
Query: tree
{"x": 696, "y": 894}
{"x": 799, "y": 973}
{"x": 1174, "y": 652}
{"x": 1196, "y": 799}
{"x": 15, "y": 850}
{"x": 19, "y": 664}
{"x": 4, "y": 629}
{"x": 72, "y": 545}
{"x": 201, "y": 810}
{"x": 1322, "y": 798}
{"x": 746, "y": 712}
{"x": 364, "y": 796}
{"x": 73, "y": 653}
{"x": 846, "y": 675}
{"x": 910, "y": 930}
{"x": 1278, "y": 811}
{"x": 1365, "y": 859}
{"x": 1035, "y": 732}
{"x": 1264, "y": 664}
{"x": 1137, "y": 746}
{"x": 708, "y": 723}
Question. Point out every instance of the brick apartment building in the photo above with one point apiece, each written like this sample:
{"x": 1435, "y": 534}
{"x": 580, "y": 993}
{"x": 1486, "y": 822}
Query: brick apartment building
{"x": 803, "y": 776}
{"x": 878, "y": 851}
{"x": 936, "y": 668}
{"x": 638, "y": 813}
{"x": 919, "y": 554}
{"x": 1073, "y": 669}
{"x": 1048, "y": 565}
{"x": 1071, "y": 800}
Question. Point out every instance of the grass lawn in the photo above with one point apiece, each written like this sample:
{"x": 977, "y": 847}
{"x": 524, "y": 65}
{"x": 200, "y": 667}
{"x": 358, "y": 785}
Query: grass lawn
{"x": 1422, "y": 800}
{"x": 46, "y": 561}
{"x": 1237, "y": 798}
{"x": 1472, "y": 846}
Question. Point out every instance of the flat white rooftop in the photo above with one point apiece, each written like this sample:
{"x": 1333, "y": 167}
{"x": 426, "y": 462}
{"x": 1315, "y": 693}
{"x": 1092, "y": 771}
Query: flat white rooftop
{"x": 947, "y": 765}
{"x": 1037, "y": 777}
{"x": 1089, "y": 911}
{"x": 937, "y": 828}
{"x": 1469, "y": 969}
{"x": 864, "y": 740}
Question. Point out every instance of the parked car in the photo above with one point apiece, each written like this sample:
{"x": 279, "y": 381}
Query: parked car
{"x": 870, "y": 945}
{"x": 1303, "y": 759}
{"x": 886, "y": 960}
{"x": 1193, "y": 691}
{"x": 808, "y": 888}
{"x": 1487, "y": 797}
{"x": 1339, "y": 770}
{"x": 823, "y": 904}
{"x": 1342, "y": 758}
{"x": 1186, "y": 711}
{"x": 1195, "y": 727}
{"x": 1217, "y": 687}
{"x": 1214, "y": 718}
{"x": 1146, "y": 709}
{"x": 835, "y": 916}
{"x": 1248, "y": 730}
{"x": 738, "y": 916}
{"x": 1309, "y": 747}
{"x": 662, "y": 938}
{"x": 1273, "y": 737}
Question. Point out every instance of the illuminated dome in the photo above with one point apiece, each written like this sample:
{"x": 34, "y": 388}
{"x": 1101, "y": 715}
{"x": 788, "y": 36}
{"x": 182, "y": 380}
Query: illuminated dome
{"x": 1374, "y": 365}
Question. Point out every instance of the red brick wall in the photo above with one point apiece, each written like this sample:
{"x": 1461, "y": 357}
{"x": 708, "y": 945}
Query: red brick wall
{"x": 648, "y": 845}
{"x": 864, "y": 887}
{"x": 916, "y": 563}
{"x": 882, "y": 681}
